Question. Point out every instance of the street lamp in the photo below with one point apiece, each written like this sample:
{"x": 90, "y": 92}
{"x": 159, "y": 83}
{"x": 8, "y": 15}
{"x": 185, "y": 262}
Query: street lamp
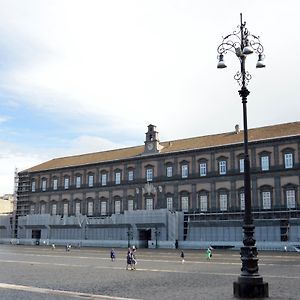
{"x": 129, "y": 236}
{"x": 157, "y": 233}
{"x": 249, "y": 284}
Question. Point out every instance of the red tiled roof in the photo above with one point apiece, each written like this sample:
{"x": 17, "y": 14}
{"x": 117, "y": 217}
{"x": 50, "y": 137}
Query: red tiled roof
{"x": 255, "y": 134}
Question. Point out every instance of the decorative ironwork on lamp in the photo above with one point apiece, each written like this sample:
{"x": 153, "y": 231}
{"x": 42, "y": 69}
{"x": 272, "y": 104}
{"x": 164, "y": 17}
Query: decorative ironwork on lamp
{"x": 250, "y": 284}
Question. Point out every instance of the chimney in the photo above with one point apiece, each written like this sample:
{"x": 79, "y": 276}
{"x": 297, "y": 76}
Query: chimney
{"x": 237, "y": 128}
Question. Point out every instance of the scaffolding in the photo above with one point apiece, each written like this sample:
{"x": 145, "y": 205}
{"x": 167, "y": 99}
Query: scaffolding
{"x": 22, "y": 185}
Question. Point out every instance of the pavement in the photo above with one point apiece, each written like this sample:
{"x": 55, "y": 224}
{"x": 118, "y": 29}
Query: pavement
{"x": 38, "y": 272}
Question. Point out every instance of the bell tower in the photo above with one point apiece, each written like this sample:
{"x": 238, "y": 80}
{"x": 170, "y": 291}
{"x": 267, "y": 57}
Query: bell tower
{"x": 152, "y": 142}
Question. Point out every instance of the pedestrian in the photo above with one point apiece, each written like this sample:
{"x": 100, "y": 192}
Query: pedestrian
{"x": 182, "y": 256}
{"x": 53, "y": 246}
{"x": 112, "y": 255}
{"x": 208, "y": 253}
{"x": 68, "y": 247}
{"x": 133, "y": 258}
{"x": 129, "y": 258}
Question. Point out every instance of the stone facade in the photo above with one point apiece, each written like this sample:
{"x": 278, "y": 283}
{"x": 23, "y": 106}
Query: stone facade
{"x": 200, "y": 177}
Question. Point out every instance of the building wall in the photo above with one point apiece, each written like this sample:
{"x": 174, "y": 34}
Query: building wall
{"x": 176, "y": 186}
{"x": 273, "y": 182}
{"x": 6, "y": 204}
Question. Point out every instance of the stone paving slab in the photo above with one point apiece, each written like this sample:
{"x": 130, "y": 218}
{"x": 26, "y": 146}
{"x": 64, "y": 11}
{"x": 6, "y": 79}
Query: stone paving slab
{"x": 88, "y": 273}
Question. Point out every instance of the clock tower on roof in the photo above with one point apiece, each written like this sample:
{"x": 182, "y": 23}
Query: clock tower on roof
{"x": 152, "y": 142}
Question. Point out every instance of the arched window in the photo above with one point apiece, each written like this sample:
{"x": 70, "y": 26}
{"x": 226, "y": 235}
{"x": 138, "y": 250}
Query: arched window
{"x": 290, "y": 196}
{"x": 149, "y": 173}
{"x": 90, "y": 207}
{"x": 33, "y": 185}
{"x": 103, "y": 206}
{"x": 55, "y": 183}
{"x": 223, "y": 196}
{"x": 78, "y": 181}
{"x": 265, "y": 160}
{"x": 241, "y": 197}
{"x": 266, "y": 197}
{"x": 44, "y": 184}
{"x": 202, "y": 167}
{"x": 184, "y": 200}
{"x": 66, "y": 182}
{"x": 288, "y": 158}
{"x": 90, "y": 180}
{"x": 222, "y": 165}
{"x": 203, "y": 200}
{"x": 169, "y": 169}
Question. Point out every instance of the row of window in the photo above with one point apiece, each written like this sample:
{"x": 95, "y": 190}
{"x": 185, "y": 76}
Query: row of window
{"x": 222, "y": 169}
{"x": 266, "y": 203}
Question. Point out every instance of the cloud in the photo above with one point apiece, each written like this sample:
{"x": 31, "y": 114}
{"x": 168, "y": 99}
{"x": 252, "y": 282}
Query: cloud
{"x": 81, "y": 76}
{"x": 4, "y": 119}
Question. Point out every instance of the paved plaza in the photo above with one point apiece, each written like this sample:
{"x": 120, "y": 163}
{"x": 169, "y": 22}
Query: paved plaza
{"x": 38, "y": 272}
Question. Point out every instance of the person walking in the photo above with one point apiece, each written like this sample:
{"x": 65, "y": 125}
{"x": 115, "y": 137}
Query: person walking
{"x": 133, "y": 258}
{"x": 112, "y": 255}
{"x": 182, "y": 256}
{"x": 208, "y": 253}
{"x": 129, "y": 259}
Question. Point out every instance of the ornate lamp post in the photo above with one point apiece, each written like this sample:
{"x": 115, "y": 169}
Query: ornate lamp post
{"x": 249, "y": 284}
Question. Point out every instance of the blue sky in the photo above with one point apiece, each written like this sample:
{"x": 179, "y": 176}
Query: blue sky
{"x": 82, "y": 76}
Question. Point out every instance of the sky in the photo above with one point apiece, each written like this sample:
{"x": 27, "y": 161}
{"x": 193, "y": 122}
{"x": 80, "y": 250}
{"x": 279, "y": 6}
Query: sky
{"x": 80, "y": 76}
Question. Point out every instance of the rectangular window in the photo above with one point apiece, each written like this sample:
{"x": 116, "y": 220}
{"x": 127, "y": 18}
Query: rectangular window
{"x": 223, "y": 202}
{"x": 32, "y": 209}
{"x": 266, "y": 199}
{"x": 118, "y": 178}
{"x": 117, "y": 207}
{"x": 264, "y": 163}
{"x": 66, "y": 183}
{"x": 242, "y": 165}
{"x": 202, "y": 168}
{"x": 33, "y": 186}
{"x": 203, "y": 202}
{"x": 242, "y": 201}
{"x": 290, "y": 199}
{"x": 103, "y": 208}
{"x": 222, "y": 167}
{"x": 44, "y": 185}
{"x": 90, "y": 208}
{"x": 130, "y": 175}
{"x": 66, "y": 209}
{"x": 149, "y": 204}
{"x": 288, "y": 160}
{"x": 184, "y": 203}
{"x": 91, "y": 180}
{"x": 184, "y": 171}
{"x": 149, "y": 174}
{"x": 77, "y": 209}
{"x": 169, "y": 203}
{"x": 53, "y": 209}
{"x": 78, "y": 182}
{"x": 169, "y": 171}
{"x": 104, "y": 179}
{"x": 55, "y": 184}
{"x": 130, "y": 205}
{"x": 43, "y": 209}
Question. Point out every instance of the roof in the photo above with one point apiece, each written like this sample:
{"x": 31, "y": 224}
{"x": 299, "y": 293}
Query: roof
{"x": 201, "y": 142}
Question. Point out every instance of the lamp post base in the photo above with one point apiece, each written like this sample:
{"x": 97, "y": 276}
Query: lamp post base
{"x": 250, "y": 287}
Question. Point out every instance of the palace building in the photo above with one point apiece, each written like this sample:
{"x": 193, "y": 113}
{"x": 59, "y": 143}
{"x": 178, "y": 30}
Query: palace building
{"x": 189, "y": 190}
